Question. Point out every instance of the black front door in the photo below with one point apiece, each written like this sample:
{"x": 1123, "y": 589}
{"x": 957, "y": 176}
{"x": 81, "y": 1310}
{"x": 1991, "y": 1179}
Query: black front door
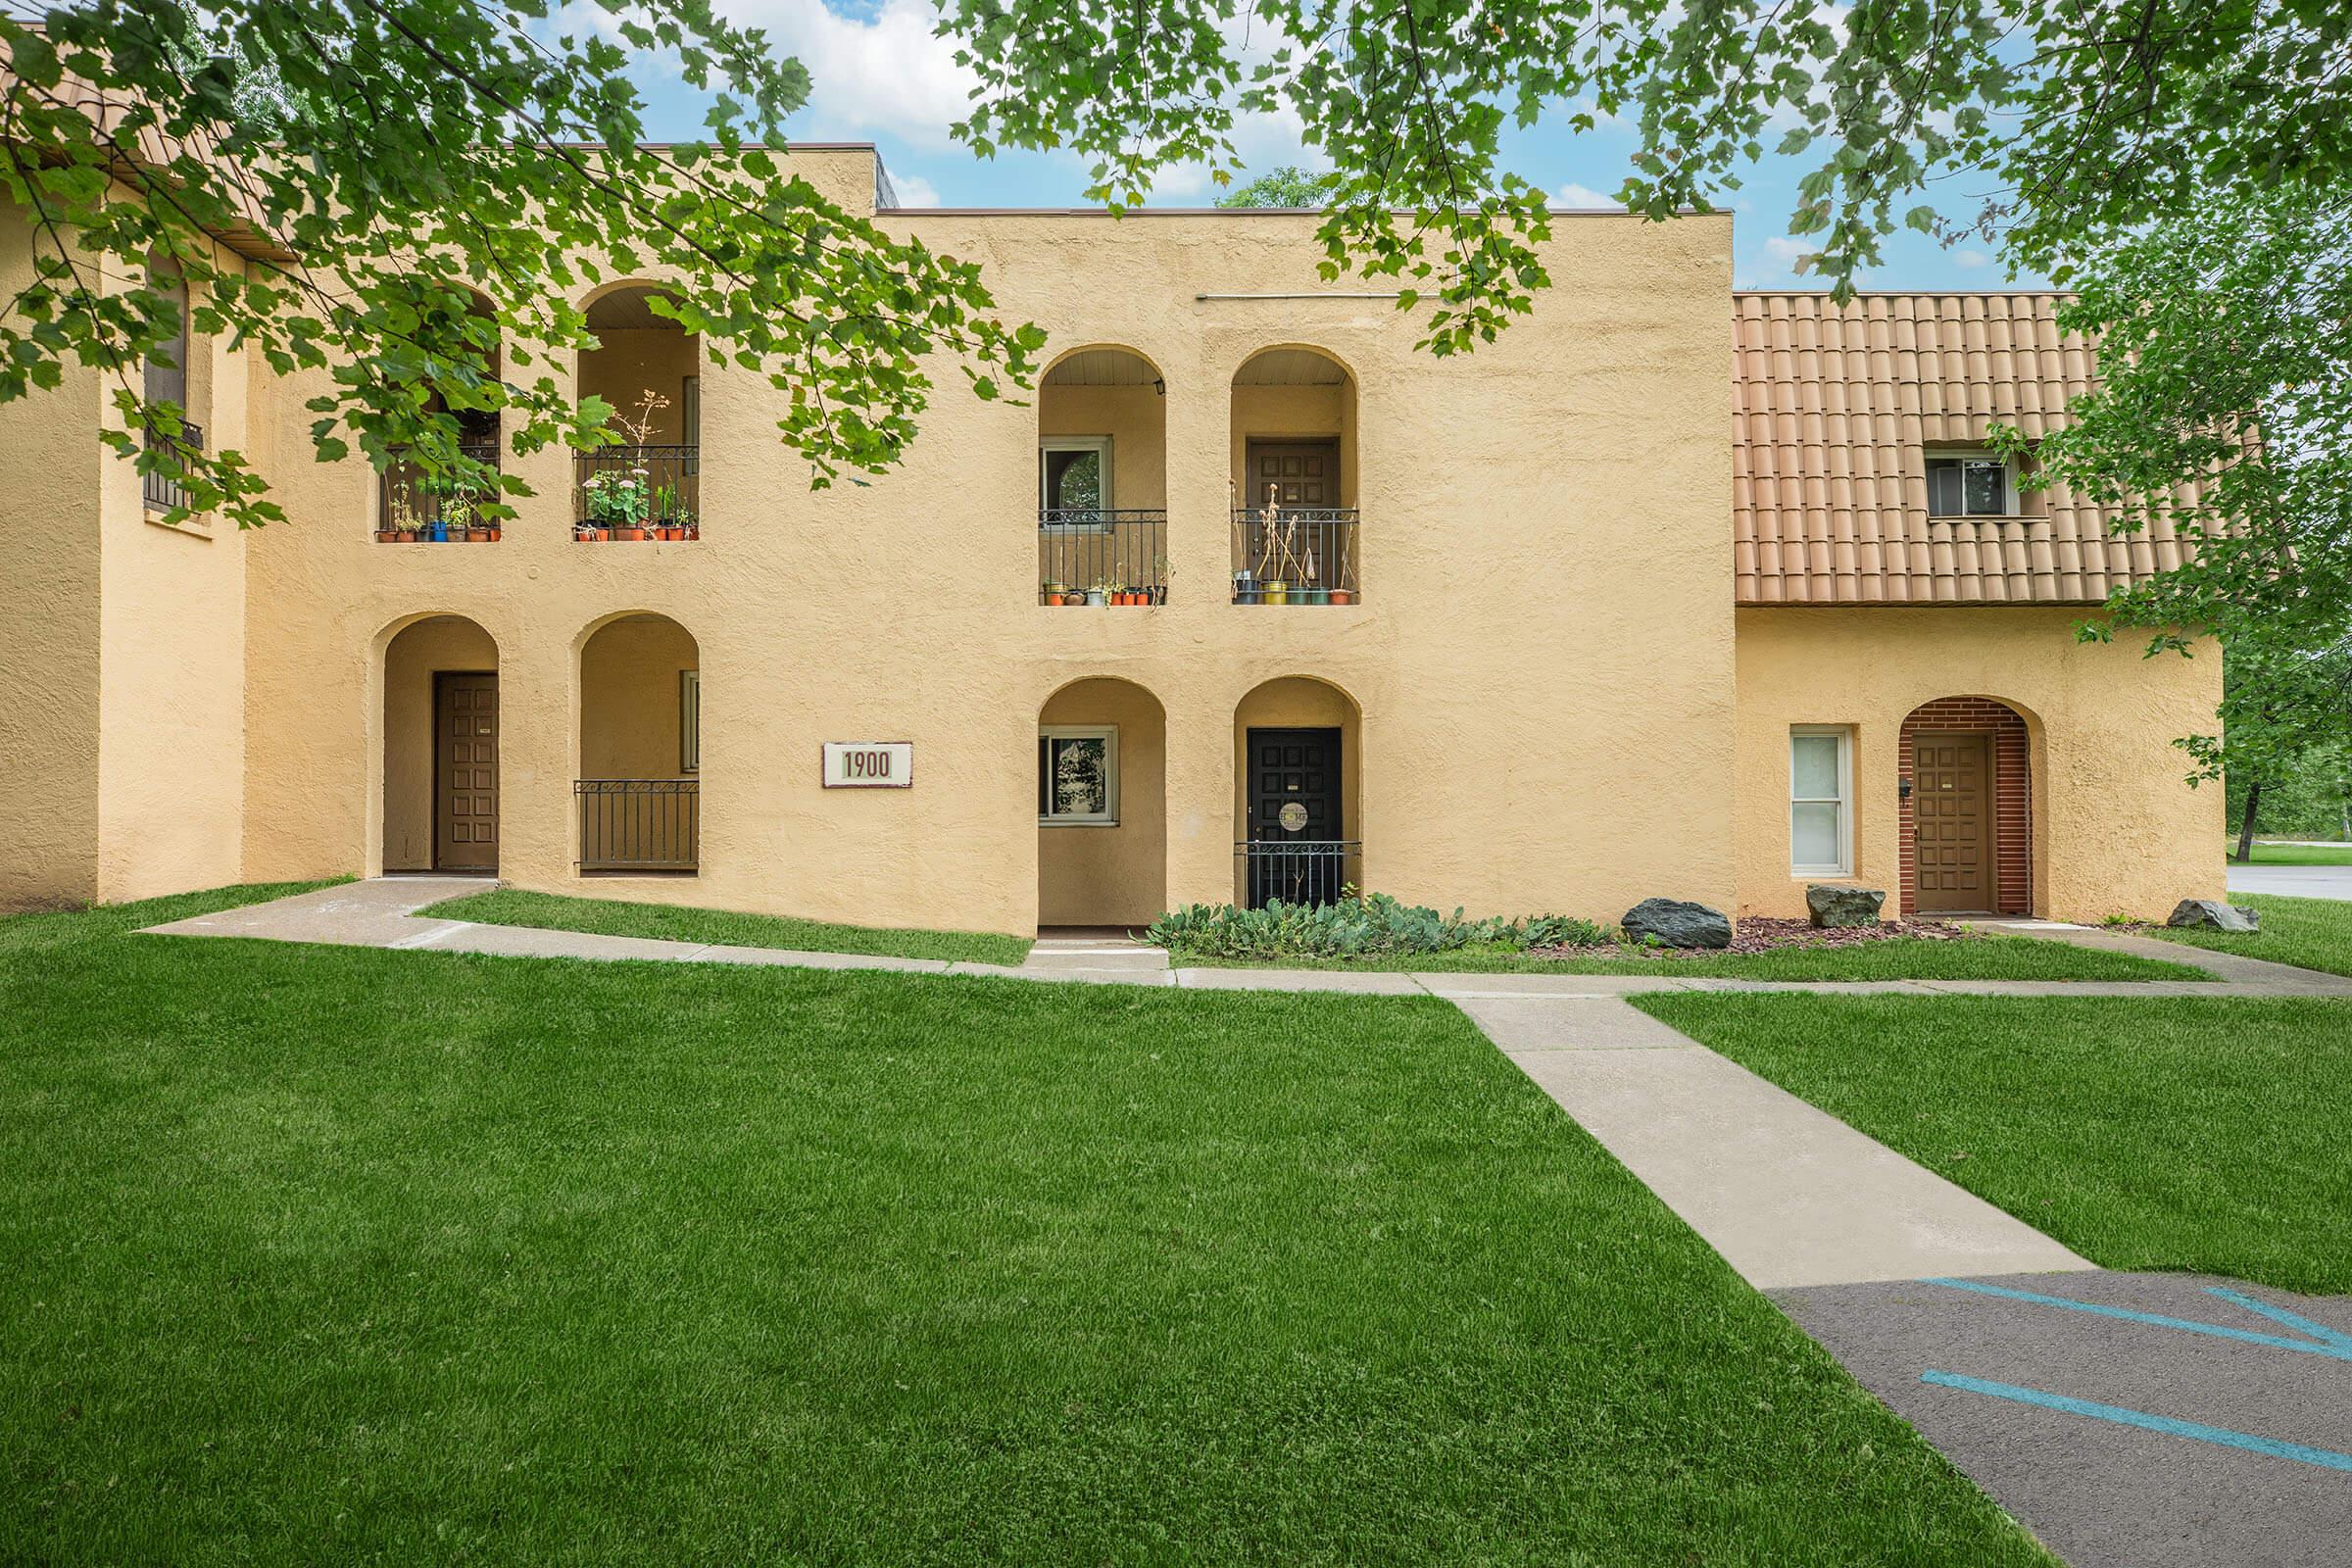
{"x": 1295, "y": 827}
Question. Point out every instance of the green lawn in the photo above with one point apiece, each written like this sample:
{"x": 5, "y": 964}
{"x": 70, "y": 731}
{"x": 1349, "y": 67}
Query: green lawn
{"x": 2156, "y": 1133}
{"x": 617, "y": 918}
{"x": 1991, "y": 957}
{"x": 2296, "y": 854}
{"x": 326, "y": 1253}
{"x": 2310, "y": 933}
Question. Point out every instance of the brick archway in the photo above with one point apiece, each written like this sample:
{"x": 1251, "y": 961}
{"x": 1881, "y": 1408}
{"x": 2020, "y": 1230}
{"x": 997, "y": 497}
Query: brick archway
{"x": 2012, "y": 795}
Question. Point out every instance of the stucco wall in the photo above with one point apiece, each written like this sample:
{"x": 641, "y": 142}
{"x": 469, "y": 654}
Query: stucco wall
{"x": 1506, "y": 661}
{"x": 2116, "y": 829}
{"x": 1135, "y": 418}
{"x": 1089, "y": 874}
{"x": 630, "y": 362}
{"x": 172, "y": 624}
{"x": 49, "y": 664}
{"x": 413, "y": 656}
{"x": 629, "y": 699}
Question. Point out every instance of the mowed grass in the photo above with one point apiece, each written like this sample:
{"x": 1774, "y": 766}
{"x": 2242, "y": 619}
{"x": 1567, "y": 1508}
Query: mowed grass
{"x": 620, "y": 917}
{"x": 341, "y": 1253}
{"x": 1987, "y": 958}
{"x": 2294, "y": 853}
{"x": 2155, "y": 1132}
{"x": 2309, "y": 933}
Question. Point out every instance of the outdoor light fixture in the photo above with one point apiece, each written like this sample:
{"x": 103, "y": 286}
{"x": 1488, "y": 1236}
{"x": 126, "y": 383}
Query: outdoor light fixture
{"x": 1902, "y": 791}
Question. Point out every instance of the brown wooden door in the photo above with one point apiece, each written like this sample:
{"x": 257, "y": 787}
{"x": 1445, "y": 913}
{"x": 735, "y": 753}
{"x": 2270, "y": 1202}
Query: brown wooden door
{"x": 465, "y": 772}
{"x": 1296, "y": 473}
{"x": 1951, "y": 824}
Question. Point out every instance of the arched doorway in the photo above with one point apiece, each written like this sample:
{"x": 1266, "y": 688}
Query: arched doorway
{"x": 1297, "y": 769}
{"x": 1966, "y": 808}
{"x": 1294, "y": 480}
{"x": 441, "y": 748}
{"x": 648, "y": 369}
{"x": 1102, "y": 806}
{"x": 1103, "y": 479}
{"x": 639, "y": 788}
{"x": 414, "y": 506}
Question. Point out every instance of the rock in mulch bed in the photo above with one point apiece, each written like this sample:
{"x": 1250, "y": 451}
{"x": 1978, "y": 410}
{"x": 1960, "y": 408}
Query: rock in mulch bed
{"x": 1757, "y": 935}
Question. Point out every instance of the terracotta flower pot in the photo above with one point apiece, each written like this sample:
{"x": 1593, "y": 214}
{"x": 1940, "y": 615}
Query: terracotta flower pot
{"x": 1343, "y": 596}
{"x": 494, "y": 533}
{"x": 405, "y": 536}
{"x": 384, "y": 536}
{"x": 632, "y": 536}
{"x": 479, "y": 536}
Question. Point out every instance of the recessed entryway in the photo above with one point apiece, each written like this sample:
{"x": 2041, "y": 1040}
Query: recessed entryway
{"x": 1966, "y": 808}
{"x": 440, "y": 764}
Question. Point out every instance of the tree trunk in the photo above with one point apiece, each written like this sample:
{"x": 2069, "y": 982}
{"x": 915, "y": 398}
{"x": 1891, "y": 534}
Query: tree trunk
{"x": 2246, "y": 826}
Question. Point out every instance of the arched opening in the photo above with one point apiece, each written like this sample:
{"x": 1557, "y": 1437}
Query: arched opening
{"x": 1966, "y": 808}
{"x": 1297, "y": 769}
{"x": 648, "y": 369}
{"x": 639, "y": 789}
{"x": 1294, "y": 480}
{"x": 441, "y": 748}
{"x": 1102, "y": 480}
{"x": 414, "y": 506}
{"x": 1102, "y": 806}
{"x": 168, "y": 377}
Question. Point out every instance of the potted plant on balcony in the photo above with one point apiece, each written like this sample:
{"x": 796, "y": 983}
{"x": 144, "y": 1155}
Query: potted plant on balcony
{"x": 1244, "y": 588}
{"x": 1098, "y": 594}
{"x": 1050, "y": 591}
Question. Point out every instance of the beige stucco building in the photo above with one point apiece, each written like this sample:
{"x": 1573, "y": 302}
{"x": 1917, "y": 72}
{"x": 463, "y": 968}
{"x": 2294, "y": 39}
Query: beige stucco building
{"x": 1671, "y": 591}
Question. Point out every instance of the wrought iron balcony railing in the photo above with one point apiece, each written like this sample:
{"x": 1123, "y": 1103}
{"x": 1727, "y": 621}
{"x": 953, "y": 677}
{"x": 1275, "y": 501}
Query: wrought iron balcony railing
{"x": 420, "y": 507}
{"x": 1297, "y": 870}
{"x": 1295, "y": 556}
{"x": 162, "y": 490}
{"x": 640, "y": 824}
{"x": 638, "y": 493}
{"x": 1087, "y": 556}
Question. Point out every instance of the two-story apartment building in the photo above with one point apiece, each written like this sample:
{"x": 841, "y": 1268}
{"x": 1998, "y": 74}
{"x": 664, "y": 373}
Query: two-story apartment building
{"x": 1672, "y": 591}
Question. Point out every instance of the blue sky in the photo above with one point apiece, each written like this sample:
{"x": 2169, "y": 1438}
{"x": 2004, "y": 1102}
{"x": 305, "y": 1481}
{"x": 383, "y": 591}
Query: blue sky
{"x": 882, "y": 76}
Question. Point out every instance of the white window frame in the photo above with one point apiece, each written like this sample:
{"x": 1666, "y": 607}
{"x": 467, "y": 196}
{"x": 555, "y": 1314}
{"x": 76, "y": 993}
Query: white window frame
{"x": 1098, "y": 444}
{"x": 1844, "y": 734}
{"x": 1108, "y": 735}
{"x": 2009, "y": 476}
{"x": 690, "y": 721}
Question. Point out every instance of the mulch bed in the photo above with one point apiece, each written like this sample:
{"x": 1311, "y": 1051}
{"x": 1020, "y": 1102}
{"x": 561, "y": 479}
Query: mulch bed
{"x": 1758, "y": 935}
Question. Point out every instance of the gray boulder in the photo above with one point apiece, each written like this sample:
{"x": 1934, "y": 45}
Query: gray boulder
{"x": 1678, "y": 924}
{"x": 1841, "y": 905}
{"x": 2209, "y": 915}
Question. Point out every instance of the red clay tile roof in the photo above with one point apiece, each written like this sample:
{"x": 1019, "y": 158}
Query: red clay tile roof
{"x": 1835, "y": 408}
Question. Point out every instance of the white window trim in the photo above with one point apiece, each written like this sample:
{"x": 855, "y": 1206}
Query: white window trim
{"x": 2011, "y": 501}
{"x": 1098, "y": 444}
{"x": 1108, "y": 735}
{"x": 1844, "y": 734}
{"x": 690, "y": 721}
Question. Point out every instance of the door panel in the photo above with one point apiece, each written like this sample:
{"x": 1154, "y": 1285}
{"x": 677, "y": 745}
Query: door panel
{"x": 1298, "y": 474}
{"x": 1951, "y": 824}
{"x": 1294, "y": 804}
{"x": 465, "y": 772}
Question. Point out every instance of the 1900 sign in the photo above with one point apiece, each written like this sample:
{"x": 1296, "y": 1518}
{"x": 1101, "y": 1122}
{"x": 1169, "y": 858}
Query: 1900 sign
{"x": 870, "y": 764}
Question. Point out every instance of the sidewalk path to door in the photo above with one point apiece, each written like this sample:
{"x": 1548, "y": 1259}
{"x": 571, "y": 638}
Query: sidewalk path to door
{"x": 2074, "y": 1396}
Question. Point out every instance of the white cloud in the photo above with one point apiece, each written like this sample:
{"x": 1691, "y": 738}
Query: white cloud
{"x": 914, "y": 190}
{"x": 1573, "y": 195}
{"x": 1787, "y": 251}
{"x": 882, "y": 72}
{"x": 1971, "y": 260}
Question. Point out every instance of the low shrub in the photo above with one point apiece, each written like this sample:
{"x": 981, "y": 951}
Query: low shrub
{"x": 1367, "y": 927}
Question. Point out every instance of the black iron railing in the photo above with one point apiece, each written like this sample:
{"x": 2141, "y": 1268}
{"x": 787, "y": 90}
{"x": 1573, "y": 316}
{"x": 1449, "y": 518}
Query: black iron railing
{"x": 1087, "y": 556}
{"x": 639, "y": 493}
{"x": 1297, "y": 870}
{"x": 419, "y": 507}
{"x": 162, "y": 490}
{"x": 1295, "y": 556}
{"x": 640, "y": 824}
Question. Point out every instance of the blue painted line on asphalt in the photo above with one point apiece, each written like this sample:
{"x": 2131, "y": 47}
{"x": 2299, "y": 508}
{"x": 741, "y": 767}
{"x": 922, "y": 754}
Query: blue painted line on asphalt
{"x": 2326, "y": 1458}
{"x": 2334, "y": 1351}
{"x": 2279, "y": 1314}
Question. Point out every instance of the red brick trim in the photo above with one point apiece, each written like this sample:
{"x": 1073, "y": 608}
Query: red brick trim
{"x": 2012, "y": 794}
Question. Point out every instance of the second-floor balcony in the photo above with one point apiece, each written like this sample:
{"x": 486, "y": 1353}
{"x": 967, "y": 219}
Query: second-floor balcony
{"x": 1295, "y": 556}
{"x": 420, "y": 507}
{"x": 1091, "y": 556}
{"x": 635, "y": 493}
